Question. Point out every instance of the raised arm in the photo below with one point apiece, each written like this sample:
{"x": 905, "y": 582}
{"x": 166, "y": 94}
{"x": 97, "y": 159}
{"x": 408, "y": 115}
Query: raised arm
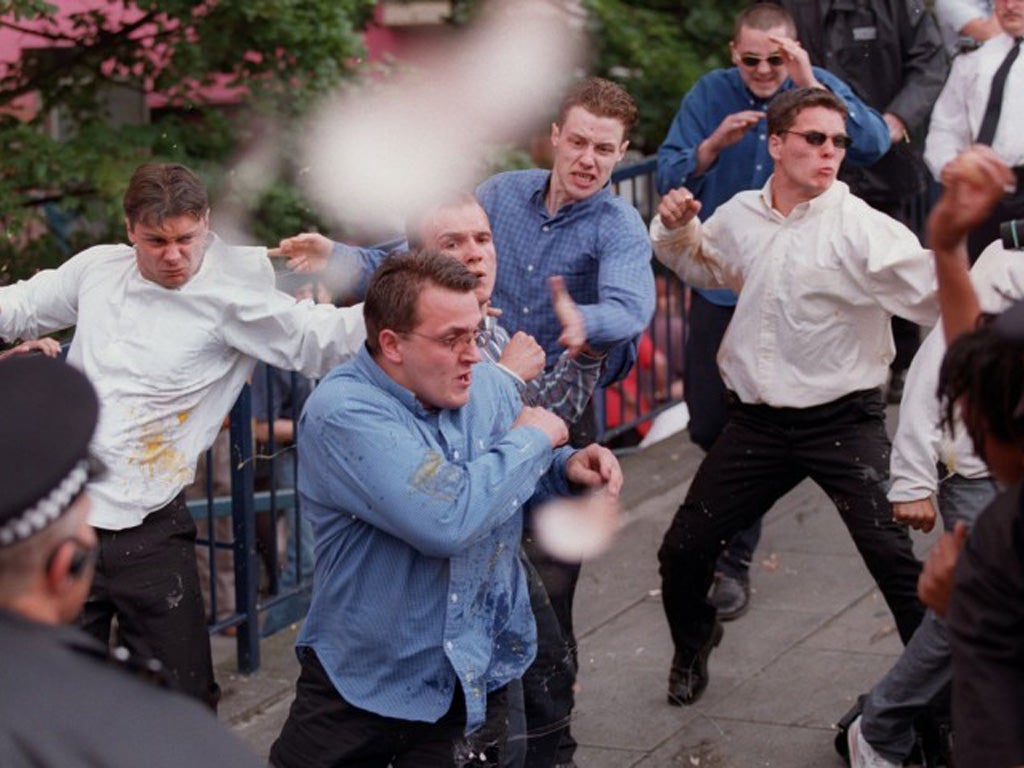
{"x": 972, "y": 184}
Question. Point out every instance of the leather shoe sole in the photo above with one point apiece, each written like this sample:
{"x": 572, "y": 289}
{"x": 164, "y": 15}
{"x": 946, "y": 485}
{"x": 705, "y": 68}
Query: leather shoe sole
{"x": 687, "y": 681}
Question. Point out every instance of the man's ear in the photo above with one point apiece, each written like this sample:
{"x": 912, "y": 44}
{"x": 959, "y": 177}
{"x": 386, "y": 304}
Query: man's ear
{"x": 388, "y": 340}
{"x": 555, "y": 133}
{"x": 128, "y": 229}
{"x": 774, "y": 145}
{"x": 58, "y": 567}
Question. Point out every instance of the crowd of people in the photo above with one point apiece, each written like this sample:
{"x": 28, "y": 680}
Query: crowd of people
{"x": 457, "y": 398}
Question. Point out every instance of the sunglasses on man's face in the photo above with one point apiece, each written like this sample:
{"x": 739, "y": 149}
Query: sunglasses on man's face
{"x": 817, "y": 138}
{"x": 774, "y": 60}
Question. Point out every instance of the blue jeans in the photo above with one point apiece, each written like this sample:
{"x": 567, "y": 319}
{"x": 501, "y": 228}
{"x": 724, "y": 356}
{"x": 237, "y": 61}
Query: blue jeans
{"x": 923, "y": 671}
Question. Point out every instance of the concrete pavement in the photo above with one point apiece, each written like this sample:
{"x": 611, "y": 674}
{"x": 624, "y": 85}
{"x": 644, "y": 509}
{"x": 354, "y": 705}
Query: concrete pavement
{"x": 817, "y": 635}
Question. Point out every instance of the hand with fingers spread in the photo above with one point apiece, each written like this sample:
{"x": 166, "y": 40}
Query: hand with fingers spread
{"x": 307, "y": 252}
{"x": 730, "y": 131}
{"x": 574, "y": 330}
{"x": 677, "y": 208}
{"x": 918, "y": 514}
{"x": 797, "y": 61}
{"x": 49, "y": 347}
{"x": 523, "y": 356}
{"x": 935, "y": 585}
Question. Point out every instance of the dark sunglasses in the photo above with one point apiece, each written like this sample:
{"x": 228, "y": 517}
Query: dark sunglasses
{"x": 774, "y": 60}
{"x": 817, "y": 138}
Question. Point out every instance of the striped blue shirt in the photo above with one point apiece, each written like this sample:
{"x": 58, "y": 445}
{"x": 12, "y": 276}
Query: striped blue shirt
{"x": 417, "y": 516}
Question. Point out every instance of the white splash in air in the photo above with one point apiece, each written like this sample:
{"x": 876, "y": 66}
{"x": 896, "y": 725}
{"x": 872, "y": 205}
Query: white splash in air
{"x": 579, "y": 528}
{"x": 383, "y": 151}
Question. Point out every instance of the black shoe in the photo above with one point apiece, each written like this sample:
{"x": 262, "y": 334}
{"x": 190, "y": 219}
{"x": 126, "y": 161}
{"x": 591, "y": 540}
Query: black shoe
{"x": 731, "y": 597}
{"x": 896, "y": 382}
{"x": 688, "y": 678}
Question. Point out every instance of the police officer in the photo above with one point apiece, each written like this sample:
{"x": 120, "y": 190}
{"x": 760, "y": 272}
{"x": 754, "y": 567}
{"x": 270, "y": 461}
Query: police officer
{"x": 65, "y": 703}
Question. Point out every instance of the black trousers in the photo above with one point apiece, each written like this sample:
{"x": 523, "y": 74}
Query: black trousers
{"x": 323, "y": 731}
{"x": 147, "y": 577}
{"x": 762, "y": 453}
{"x": 708, "y": 403}
{"x": 548, "y": 685}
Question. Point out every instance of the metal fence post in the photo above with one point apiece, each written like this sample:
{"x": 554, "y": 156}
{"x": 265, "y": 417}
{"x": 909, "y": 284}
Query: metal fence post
{"x": 243, "y": 519}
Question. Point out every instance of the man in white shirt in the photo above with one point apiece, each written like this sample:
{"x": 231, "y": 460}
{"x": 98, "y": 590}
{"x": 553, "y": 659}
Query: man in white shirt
{"x": 969, "y": 100}
{"x": 168, "y": 330}
{"x": 819, "y": 275}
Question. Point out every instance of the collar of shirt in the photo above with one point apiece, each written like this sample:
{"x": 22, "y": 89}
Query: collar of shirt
{"x": 569, "y": 210}
{"x": 829, "y": 198}
{"x": 371, "y": 369}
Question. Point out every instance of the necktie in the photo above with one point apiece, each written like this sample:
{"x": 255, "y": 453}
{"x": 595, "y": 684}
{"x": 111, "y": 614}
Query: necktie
{"x": 987, "y": 132}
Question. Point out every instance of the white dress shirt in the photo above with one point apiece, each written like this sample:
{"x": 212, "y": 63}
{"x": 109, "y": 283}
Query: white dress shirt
{"x": 919, "y": 443}
{"x": 168, "y": 363}
{"x": 960, "y": 108}
{"x": 817, "y": 290}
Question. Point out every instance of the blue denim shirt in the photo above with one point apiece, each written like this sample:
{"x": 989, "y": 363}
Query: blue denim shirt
{"x": 746, "y": 164}
{"x": 599, "y": 245}
{"x": 418, "y": 517}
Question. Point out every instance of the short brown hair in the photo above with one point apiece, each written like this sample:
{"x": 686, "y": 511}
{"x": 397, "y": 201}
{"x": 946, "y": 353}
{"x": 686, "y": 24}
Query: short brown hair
{"x": 764, "y": 16}
{"x": 784, "y": 108}
{"x": 395, "y": 289}
{"x": 161, "y": 191}
{"x": 602, "y": 98}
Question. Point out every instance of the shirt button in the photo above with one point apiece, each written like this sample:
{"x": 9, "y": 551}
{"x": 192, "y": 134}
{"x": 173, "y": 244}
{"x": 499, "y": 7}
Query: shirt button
{"x": 545, "y": 228}
{"x": 529, "y": 268}
{"x": 455, "y": 598}
{"x": 448, "y": 644}
{"x": 761, "y": 136}
{"x": 526, "y": 310}
{"x": 758, "y": 166}
{"x": 455, "y": 454}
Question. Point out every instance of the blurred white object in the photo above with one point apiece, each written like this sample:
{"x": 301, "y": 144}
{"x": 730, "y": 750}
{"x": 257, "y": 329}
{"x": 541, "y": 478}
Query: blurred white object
{"x": 574, "y": 529}
{"x": 393, "y": 148}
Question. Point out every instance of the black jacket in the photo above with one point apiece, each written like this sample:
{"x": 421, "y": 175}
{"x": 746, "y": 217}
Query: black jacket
{"x": 65, "y": 704}
{"x": 890, "y": 52}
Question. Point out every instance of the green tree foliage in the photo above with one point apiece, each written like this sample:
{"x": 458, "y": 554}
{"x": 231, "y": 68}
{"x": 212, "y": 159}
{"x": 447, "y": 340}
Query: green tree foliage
{"x": 657, "y": 50}
{"x": 71, "y": 161}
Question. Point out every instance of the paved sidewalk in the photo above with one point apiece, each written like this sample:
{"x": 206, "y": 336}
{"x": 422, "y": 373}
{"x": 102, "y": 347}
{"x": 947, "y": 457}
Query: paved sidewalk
{"x": 817, "y": 635}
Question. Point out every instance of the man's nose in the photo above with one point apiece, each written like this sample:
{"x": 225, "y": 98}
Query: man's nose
{"x": 471, "y": 353}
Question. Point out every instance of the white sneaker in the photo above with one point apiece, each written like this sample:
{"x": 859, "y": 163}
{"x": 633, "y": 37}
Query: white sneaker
{"x": 862, "y": 754}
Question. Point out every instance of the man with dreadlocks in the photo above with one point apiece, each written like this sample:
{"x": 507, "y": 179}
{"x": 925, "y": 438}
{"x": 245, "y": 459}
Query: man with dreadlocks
{"x": 983, "y": 376}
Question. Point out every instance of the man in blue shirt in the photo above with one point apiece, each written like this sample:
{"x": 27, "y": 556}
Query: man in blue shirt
{"x": 459, "y": 227}
{"x": 415, "y": 464}
{"x": 568, "y": 222}
{"x": 717, "y": 146}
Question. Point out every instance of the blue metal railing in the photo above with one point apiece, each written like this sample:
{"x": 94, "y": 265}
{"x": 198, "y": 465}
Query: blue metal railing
{"x": 654, "y": 386}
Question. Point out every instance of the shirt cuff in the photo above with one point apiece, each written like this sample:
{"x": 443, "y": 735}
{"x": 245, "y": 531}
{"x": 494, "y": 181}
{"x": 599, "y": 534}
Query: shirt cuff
{"x": 520, "y": 383}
